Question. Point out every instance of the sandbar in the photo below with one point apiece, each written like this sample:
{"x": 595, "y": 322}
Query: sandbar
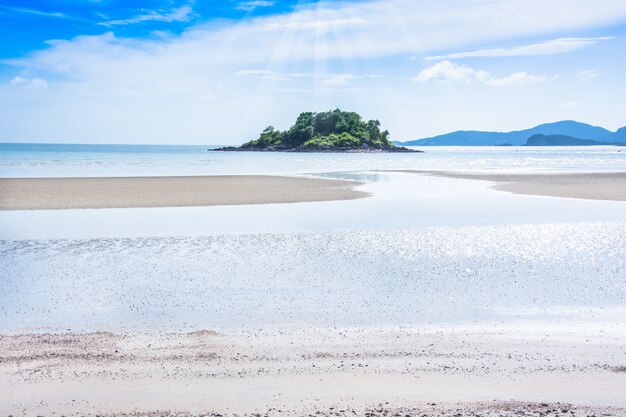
{"x": 590, "y": 186}
{"x": 128, "y": 192}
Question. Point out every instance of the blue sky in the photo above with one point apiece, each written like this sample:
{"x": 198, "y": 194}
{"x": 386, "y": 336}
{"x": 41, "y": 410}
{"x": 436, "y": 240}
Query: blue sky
{"x": 205, "y": 71}
{"x": 29, "y": 24}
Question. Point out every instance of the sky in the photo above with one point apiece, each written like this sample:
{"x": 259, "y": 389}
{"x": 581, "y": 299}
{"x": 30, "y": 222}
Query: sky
{"x": 218, "y": 72}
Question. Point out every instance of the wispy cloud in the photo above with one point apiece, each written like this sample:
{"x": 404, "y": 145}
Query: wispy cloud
{"x": 445, "y": 71}
{"x": 313, "y": 25}
{"x": 517, "y": 78}
{"x": 589, "y": 74}
{"x": 551, "y": 47}
{"x": 570, "y": 104}
{"x": 383, "y": 28}
{"x": 34, "y": 83}
{"x": 180, "y": 14}
{"x": 34, "y": 12}
{"x": 248, "y": 6}
{"x": 155, "y": 86}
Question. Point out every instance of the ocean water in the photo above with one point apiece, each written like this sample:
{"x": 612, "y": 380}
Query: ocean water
{"x": 44, "y": 160}
{"x": 421, "y": 250}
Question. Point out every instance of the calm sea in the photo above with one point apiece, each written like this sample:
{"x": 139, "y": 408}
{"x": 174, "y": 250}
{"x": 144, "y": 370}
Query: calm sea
{"x": 424, "y": 250}
{"x": 52, "y": 160}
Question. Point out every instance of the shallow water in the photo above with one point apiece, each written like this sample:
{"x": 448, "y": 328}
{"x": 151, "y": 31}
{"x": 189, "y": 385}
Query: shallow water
{"x": 341, "y": 278}
{"x": 398, "y": 202}
{"x": 128, "y": 160}
{"x": 420, "y": 250}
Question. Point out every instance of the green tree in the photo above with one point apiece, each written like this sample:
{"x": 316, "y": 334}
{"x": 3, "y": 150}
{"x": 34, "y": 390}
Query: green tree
{"x": 334, "y": 128}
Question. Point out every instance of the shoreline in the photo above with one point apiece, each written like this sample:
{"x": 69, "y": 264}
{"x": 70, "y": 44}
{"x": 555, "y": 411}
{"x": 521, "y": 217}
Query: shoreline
{"x": 301, "y": 149}
{"x": 339, "y": 372}
{"x": 197, "y": 191}
{"x": 609, "y": 186}
{"x": 134, "y": 192}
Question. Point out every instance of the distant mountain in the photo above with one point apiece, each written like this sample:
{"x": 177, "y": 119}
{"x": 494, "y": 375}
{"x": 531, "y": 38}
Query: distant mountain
{"x": 619, "y": 136}
{"x": 477, "y": 138}
{"x": 560, "y": 140}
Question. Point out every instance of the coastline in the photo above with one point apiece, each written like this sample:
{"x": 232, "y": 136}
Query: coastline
{"x": 588, "y": 186}
{"x": 302, "y": 149}
{"x": 135, "y": 192}
{"x": 573, "y": 366}
{"x": 609, "y": 186}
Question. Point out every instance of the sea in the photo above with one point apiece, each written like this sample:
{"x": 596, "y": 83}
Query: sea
{"x": 61, "y": 160}
{"x": 421, "y": 251}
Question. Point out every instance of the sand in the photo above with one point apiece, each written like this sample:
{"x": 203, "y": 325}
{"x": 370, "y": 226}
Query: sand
{"x": 75, "y": 193}
{"x": 333, "y": 372}
{"x": 590, "y": 186}
{"x": 533, "y": 371}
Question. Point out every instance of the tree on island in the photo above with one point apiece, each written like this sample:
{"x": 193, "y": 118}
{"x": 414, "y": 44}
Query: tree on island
{"x": 329, "y": 130}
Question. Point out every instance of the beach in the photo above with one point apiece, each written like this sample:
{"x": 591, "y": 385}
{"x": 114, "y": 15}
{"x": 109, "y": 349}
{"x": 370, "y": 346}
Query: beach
{"x": 313, "y": 208}
{"x": 256, "y": 287}
{"x": 592, "y": 186}
{"x": 83, "y": 193}
{"x": 129, "y": 192}
{"x": 480, "y": 371}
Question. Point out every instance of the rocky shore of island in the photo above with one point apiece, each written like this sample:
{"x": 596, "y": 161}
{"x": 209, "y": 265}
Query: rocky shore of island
{"x": 322, "y": 149}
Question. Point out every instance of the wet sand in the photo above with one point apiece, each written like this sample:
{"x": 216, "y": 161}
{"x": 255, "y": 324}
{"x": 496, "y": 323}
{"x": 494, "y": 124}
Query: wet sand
{"x": 340, "y": 372}
{"x": 77, "y": 193}
{"x": 590, "y": 186}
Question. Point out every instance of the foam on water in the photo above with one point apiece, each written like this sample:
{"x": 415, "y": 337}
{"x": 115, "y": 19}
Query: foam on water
{"x": 339, "y": 278}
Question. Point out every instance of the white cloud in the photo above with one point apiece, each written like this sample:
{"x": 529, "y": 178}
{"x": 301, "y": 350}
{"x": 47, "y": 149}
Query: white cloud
{"x": 34, "y": 12}
{"x": 313, "y": 25}
{"x": 34, "y": 83}
{"x": 589, "y": 74}
{"x": 389, "y": 27}
{"x": 180, "y": 14}
{"x": 517, "y": 78}
{"x": 446, "y": 71}
{"x": 450, "y": 71}
{"x": 551, "y": 47}
{"x": 152, "y": 87}
{"x": 570, "y": 104}
{"x": 253, "y": 4}
{"x": 355, "y": 30}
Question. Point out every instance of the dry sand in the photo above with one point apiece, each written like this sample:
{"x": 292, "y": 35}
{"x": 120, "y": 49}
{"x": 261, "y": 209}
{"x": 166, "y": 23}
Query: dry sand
{"x": 332, "y": 372}
{"x": 590, "y": 186}
{"x": 74, "y": 193}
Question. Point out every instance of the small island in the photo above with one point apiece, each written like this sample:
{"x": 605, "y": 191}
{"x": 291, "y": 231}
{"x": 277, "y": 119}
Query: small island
{"x": 561, "y": 140}
{"x": 331, "y": 131}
